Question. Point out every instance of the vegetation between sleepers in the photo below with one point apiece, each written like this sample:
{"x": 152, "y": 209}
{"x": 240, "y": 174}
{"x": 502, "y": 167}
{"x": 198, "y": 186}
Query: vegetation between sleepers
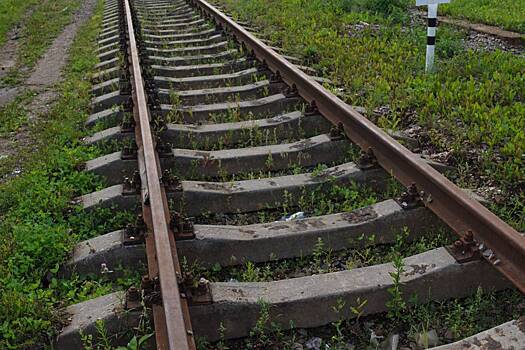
{"x": 472, "y": 110}
{"x": 364, "y": 251}
{"x": 451, "y": 320}
{"x": 38, "y": 224}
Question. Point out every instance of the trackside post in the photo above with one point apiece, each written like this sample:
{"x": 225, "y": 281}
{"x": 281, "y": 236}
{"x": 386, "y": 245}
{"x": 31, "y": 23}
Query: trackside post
{"x": 431, "y": 30}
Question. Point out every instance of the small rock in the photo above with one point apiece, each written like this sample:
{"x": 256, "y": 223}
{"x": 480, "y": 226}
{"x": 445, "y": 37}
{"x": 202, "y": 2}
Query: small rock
{"x": 297, "y": 346}
{"x": 375, "y": 339}
{"x": 314, "y": 344}
{"x": 391, "y": 343}
{"x": 382, "y": 110}
{"x": 428, "y": 339}
{"x": 449, "y": 335}
{"x": 297, "y": 274}
{"x": 368, "y": 325}
{"x": 302, "y": 332}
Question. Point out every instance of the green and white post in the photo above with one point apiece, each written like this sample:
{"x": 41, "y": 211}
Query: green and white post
{"x": 431, "y": 30}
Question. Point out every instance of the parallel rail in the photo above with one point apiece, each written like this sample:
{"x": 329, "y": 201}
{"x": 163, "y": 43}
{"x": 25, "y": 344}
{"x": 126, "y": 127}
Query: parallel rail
{"x": 483, "y": 232}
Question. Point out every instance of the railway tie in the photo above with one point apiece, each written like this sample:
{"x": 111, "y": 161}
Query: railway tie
{"x": 215, "y": 129}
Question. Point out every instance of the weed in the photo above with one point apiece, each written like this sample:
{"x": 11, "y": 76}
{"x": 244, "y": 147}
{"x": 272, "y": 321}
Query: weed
{"x": 338, "y": 339}
{"x": 396, "y": 305}
{"x": 221, "y": 345}
{"x": 318, "y": 254}
{"x": 253, "y": 274}
{"x": 136, "y": 343}
{"x": 358, "y": 309}
{"x": 259, "y": 333}
{"x": 474, "y": 101}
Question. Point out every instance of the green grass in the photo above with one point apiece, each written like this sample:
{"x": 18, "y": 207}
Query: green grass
{"x": 39, "y": 29}
{"x": 44, "y": 25}
{"x": 38, "y": 225}
{"x": 455, "y": 319}
{"x": 11, "y": 12}
{"x": 474, "y": 106}
{"x": 324, "y": 260}
{"x": 509, "y": 14}
{"x": 14, "y": 114}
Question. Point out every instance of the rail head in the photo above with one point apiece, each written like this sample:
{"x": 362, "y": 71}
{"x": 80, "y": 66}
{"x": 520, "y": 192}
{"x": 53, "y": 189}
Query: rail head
{"x": 444, "y": 198}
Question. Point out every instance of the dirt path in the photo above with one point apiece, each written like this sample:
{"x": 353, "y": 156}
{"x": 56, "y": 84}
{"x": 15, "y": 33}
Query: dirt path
{"x": 8, "y": 57}
{"x": 43, "y": 79}
{"x": 48, "y": 69}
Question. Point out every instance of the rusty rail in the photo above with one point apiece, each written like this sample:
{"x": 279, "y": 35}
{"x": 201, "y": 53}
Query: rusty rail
{"x": 498, "y": 242}
{"x": 171, "y": 316}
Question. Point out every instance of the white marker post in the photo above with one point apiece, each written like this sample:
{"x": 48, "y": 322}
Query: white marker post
{"x": 431, "y": 30}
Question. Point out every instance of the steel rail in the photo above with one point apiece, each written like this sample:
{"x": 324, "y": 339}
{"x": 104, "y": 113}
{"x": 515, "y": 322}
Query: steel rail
{"x": 176, "y": 327}
{"x": 444, "y": 198}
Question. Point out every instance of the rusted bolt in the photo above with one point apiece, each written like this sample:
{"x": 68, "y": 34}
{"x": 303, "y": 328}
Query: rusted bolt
{"x": 412, "y": 189}
{"x": 104, "y": 269}
{"x": 203, "y": 282}
{"x": 469, "y": 236}
{"x": 133, "y": 294}
{"x": 311, "y": 109}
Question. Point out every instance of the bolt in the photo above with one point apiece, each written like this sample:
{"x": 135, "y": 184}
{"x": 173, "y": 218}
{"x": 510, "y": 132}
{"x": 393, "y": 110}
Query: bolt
{"x": 469, "y": 236}
{"x": 133, "y": 294}
{"x": 203, "y": 282}
{"x": 412, "y": 189}
{"x": 104, "y": 269}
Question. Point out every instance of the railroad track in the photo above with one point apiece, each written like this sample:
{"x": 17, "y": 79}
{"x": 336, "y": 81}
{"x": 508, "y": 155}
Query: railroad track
{"x": 211, "y": 136}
